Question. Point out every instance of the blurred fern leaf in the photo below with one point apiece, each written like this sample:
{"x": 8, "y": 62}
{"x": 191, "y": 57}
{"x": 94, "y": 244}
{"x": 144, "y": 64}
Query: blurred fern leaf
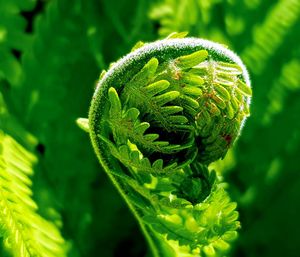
{"x": 25, "y": 233}
{"x": 271, "y": 34}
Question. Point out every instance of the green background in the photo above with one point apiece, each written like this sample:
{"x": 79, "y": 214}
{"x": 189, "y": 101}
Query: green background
{"x": 51, "y": 55}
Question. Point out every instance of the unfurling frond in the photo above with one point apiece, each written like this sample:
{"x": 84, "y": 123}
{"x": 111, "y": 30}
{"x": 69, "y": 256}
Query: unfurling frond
{"x": 158, "y": 117}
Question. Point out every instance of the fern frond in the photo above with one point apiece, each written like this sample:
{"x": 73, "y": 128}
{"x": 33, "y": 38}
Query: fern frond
{"x": 132, "y": 157}
{"x": 126, "y": 125}
{"x": 150, "y": 95}
{"x": 24, "y": 231}
{"x": 271, "y": 33}
{"x": 158, "y": 117}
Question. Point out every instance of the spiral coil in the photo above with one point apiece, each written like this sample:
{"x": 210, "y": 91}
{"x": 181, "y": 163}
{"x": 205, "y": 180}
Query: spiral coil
{"x": 158, "y": 117}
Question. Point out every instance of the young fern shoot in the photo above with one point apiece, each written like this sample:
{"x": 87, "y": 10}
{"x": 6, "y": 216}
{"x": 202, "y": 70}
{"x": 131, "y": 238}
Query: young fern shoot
{"x": 158, "y": 118}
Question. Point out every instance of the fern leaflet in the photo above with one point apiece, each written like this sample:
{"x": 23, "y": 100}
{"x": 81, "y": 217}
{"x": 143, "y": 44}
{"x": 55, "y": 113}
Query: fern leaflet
{"x": 24, "y": 231}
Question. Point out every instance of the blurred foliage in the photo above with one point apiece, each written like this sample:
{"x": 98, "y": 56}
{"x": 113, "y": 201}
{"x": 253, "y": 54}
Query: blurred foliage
{"x": 51, "y": 54}
{"x": 24, "y": 230}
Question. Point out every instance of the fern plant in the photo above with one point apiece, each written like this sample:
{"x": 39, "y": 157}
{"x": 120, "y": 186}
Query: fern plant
{"x": 50, "y": 54}
{"x": 25, "y": 233}
{"x": 158, "y": 118}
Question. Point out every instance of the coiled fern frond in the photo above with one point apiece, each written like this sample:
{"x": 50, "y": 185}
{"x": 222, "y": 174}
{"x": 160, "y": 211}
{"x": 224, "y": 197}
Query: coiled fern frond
{"x": 25, "y": 233}
{"x": 158, "y": 117}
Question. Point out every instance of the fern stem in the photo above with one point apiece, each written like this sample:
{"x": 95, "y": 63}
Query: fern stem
{"x": 149, "y": 238}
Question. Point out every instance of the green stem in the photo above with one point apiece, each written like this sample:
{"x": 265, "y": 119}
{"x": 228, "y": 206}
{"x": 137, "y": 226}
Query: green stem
{"x": 148, "y": 235}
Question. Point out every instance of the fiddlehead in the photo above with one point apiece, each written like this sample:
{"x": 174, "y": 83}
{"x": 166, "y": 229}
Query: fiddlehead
{"x": 158, "y": 117}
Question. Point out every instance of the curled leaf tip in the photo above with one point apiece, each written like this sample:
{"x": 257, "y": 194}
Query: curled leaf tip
{"x": 83, "y": 123}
